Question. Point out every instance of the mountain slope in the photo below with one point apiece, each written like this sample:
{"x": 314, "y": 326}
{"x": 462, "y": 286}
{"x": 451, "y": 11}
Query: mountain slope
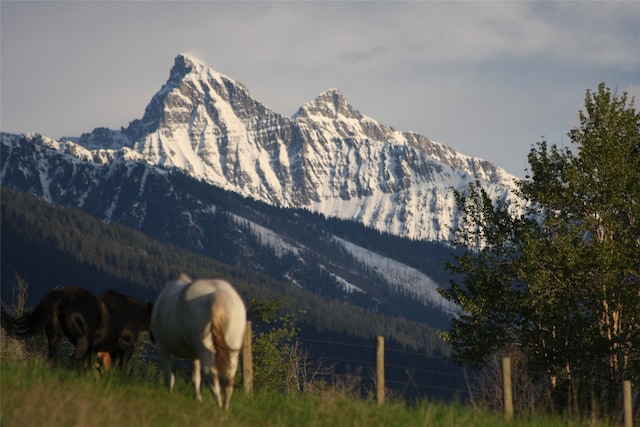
{"x": 294, "y": 246}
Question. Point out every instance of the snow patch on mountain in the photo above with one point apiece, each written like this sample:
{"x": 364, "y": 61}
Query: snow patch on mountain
{"x": 404, "y": 278}
{"x": 347, "y": 286}
{"x": 400, "y": 276}
{"x": 268, "y": 237}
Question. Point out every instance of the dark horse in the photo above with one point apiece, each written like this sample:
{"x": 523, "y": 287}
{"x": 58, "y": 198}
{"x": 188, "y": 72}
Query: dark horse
{"x": 109, "y": 323}
{"x": 128, "y": 317}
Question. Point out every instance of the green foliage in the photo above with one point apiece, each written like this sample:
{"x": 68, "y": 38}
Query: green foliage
{"x": 562, "y": 281}
{"x": 20, "y": 296}
{"x": 276, "y": 354}
{"x": 19, "y": 293}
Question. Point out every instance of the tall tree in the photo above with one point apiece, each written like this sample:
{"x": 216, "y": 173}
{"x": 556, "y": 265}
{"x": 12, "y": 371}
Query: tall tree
{"x": 562, "y": 279}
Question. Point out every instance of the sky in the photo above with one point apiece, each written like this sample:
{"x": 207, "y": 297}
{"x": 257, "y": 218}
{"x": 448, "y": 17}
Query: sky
{"x": 489, "y": 79}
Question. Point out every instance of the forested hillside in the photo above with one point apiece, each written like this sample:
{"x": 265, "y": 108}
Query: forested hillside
{"x": 48, "y": 246}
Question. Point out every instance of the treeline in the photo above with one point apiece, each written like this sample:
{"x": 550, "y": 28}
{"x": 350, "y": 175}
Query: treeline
{"x": 49, "y": 246}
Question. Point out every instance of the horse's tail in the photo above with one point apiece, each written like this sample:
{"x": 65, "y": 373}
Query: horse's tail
{"x": 223, "y": 351}
{"x": 32, "y": 322}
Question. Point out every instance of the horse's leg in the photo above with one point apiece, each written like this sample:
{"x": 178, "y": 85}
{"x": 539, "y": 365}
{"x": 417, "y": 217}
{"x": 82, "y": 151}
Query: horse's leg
{"x": 53, "y": 338}
{"x": 54, "y": 334}
{"x": 196, "y": 378}
{"x": 126, "y": 347}
{"x": 117, "y": 357}
{"x": 211, "y": 376}
{"x": 83, "y": 353}
{"x": 215, "y": 385}
{"x": 125, "y": 355}
{"x": 164, "y": 357}
{"x": 230, "y": 377}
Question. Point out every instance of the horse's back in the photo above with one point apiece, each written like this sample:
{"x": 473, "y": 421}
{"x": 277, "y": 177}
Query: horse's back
{"x": 128, "y": 311}
{"x": 117, "y": 305}
{"x": 214, "y": 293}
{"x": 73, "y": 293}
{"x": 183, "y": 312}
{"x": 215, "y": 288}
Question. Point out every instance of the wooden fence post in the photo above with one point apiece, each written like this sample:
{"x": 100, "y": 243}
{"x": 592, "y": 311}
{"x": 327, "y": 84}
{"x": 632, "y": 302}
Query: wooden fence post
{"x": 506, "y": 382}
{"x": 380, "y": 369}
{"x": 628, "y": 410}
{"x": 247, "y": 362}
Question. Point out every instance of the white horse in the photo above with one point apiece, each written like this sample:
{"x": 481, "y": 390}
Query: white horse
{"x": 203, "y": 321}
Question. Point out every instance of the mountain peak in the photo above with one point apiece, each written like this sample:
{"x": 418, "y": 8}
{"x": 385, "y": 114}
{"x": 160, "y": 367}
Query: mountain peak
{"x": 331, "y": 104}
{"x": 190, "y": 59}
{"x": 183, "y": 65}
{"x": 186, "y": 64}
{"x": 332, "y": 93}
{"x": 194, "y": 90}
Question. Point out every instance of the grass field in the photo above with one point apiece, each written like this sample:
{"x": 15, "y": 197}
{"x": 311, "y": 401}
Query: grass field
{"x": 32, "y": 394}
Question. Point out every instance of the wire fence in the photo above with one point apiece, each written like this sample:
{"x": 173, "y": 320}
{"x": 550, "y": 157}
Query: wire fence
{"x": 410, "y": 374}
{"x": 413, "y": 375}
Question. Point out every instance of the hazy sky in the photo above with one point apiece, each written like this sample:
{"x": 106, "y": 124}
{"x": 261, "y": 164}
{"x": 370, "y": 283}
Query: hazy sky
{"x": 489, "y": 79}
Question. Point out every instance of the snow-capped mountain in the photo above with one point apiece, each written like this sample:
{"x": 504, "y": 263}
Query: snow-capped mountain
{"x": 179, "y": 174}
{"x": 328, "y": 158}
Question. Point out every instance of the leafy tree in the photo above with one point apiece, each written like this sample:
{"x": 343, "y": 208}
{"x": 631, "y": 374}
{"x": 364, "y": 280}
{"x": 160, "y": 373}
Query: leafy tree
{"x": 561, "y": 280}
{"x": 276, "y": 354}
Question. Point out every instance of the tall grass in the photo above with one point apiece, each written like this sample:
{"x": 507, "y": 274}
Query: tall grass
{"x": 32, "y": 394}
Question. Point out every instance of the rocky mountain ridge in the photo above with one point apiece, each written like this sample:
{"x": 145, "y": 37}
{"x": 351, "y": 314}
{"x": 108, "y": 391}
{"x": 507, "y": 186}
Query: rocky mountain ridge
{"x": 328, "y": 158}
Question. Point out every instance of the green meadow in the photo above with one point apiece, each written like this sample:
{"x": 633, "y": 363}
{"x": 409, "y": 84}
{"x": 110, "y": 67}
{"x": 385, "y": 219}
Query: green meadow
{"x": 33, "y": 394}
